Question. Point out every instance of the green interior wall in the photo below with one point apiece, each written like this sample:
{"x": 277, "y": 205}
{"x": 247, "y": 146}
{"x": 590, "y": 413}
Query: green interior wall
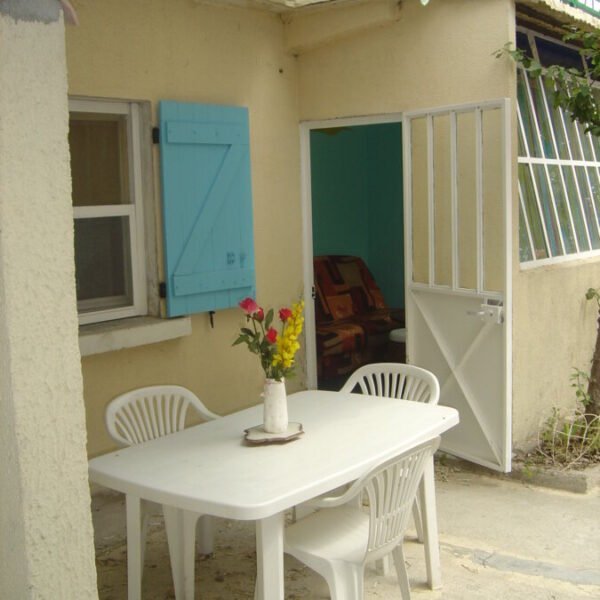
{"x": 357, "y": 201}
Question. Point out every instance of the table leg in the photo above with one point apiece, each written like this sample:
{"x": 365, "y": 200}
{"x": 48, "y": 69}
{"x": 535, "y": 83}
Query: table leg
{"x": 134, "y": 547}
{"x": 430, "y": 530}
{"x": 181, "y": 537}
{"x": 269, "y": 558}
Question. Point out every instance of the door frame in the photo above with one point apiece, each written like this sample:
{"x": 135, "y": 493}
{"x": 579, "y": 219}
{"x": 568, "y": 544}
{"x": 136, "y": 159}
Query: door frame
{"x": 307, "y": 234}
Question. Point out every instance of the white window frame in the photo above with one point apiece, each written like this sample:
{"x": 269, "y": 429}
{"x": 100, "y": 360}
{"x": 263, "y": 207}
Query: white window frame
{"x": 134, "y": 210}
{"x": 529, "y": 161}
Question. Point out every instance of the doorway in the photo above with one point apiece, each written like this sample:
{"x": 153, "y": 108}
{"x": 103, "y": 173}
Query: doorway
{"x": 353, "y": 200}
{"x": 456, "y": 169}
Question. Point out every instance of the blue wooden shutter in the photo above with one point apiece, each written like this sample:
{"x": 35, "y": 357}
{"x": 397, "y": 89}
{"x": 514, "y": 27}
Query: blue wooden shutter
{"x": 207, "y": 206}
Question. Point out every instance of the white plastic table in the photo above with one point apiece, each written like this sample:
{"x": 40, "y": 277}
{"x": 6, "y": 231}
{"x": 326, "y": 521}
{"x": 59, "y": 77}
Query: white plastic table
{"x": 210, "y": 469}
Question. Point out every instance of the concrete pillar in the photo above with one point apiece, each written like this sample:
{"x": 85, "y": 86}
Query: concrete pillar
{"x": 46, "y": 537}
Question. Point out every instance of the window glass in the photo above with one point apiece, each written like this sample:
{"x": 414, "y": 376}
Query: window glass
{"x": 543, "y": 120}
{"x": 103, "y": 262}
{"x": 551, "y": 53}
{"x": 548, "y": 209}
{"x": 587, "y": 200}
{"x": 573, "y": 136}
{"x": 560, "y": 141}
{"x": 586, "y": 143}
{"x": 532, "y": 213}
{"x": 562, "y": 208}
{"x": 595, "y": 187}
{"x": 524, "y": 246}
{"x": 522, "y": 147}
{"x": 523, "y": 43}
{"x": 559, "y": 185}
{"x": 527, "y": 116}
{"x": 579, "y": 218}
{"x": 99, "y": 161}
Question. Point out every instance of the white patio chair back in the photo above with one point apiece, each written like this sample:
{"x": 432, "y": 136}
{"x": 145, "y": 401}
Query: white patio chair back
{"x": 338, "y": 540}
{"x": 391, "y": 489}
{"x": 146, "y": 414}
{"x": 395, "y": 380}
{"x": 151, "y": 412}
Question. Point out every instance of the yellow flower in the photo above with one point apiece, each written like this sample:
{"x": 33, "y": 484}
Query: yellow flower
{"x": 287, "y": 342}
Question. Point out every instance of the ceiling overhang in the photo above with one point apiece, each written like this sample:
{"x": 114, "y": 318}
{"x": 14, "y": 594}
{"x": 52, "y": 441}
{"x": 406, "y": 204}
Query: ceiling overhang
{"x": 558, "y": 12}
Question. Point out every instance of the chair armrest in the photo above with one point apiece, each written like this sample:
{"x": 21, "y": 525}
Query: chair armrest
{"x": 208, "y": 415}
{"x": 341, "y": 495}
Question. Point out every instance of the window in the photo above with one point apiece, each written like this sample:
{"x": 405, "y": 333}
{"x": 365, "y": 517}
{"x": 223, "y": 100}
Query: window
{"x": 106, "y": 170}
{"x": 559, "y": 183}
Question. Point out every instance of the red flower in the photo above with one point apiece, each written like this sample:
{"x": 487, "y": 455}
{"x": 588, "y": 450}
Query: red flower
{"x": 271, "y": 335}
{"x": 285, "y": 314}
{"x": 249, "y": 306}
{"x": 259, "y": 315}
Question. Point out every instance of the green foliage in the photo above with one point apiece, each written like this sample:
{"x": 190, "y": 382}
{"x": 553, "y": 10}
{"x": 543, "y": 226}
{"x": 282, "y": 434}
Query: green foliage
{"x": 593, "y": 294}
{"x": 579, "y": 382}
{"x": 571, "y": 439}
{"x": 573, "y": 88}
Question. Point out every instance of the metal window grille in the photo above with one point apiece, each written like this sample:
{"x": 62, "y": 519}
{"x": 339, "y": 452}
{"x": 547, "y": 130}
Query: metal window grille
{"x": 559, "y": 179}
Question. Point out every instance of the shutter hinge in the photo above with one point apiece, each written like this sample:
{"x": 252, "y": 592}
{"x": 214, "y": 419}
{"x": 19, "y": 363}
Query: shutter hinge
{"x": 155, "y": 135}
{"x": 162, "y": 290}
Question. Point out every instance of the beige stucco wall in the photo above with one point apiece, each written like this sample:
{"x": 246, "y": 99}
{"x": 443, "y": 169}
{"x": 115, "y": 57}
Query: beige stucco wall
{"x": 182, "y": 50}
{"x": 431, "y": 56}
{"x": 554, "y": 331}
{"x": 46, "y": 548}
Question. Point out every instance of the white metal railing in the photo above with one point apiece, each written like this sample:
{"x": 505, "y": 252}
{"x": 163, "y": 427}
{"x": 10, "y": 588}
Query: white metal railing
{"x": 591, "y": 6}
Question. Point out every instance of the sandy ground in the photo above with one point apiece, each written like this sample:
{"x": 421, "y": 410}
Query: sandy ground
{"x": 499, "y": 540}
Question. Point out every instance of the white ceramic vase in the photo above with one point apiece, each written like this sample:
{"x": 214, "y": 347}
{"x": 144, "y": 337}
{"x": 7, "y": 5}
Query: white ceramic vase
{"x": 275, "y": 414}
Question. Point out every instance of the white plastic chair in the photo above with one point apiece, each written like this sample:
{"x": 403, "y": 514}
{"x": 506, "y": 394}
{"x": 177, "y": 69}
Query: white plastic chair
{"x": 339, "y": 539}
{"x": 405, "y": 382}
{"x": 148, "y": 413}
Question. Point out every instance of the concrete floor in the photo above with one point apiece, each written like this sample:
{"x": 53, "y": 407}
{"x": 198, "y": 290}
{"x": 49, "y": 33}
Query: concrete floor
{"x": 499, "y": 539}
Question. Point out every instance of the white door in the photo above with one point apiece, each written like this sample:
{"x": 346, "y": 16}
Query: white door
{"x": 458, "y": 268}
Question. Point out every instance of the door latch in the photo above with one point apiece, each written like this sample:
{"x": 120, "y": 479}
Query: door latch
{"x": 491, "y": 311}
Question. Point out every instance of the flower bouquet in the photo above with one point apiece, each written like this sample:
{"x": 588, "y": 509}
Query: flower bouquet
{"x": 276, "y": 350}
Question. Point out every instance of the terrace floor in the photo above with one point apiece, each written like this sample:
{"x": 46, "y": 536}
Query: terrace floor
{"x": 499, "y": 539}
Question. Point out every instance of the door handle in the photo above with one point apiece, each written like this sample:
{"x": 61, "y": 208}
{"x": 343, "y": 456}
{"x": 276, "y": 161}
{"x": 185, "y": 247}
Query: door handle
{"x": 489, "y": 312}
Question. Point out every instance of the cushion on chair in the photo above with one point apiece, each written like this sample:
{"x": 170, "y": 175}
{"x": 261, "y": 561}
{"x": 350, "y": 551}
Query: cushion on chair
{"x": 352, "y": 319}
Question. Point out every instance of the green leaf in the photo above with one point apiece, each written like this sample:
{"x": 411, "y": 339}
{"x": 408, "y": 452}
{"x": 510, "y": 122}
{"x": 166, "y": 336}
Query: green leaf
{"x": 241, "y": 339}
{"x": 269, "y": 318}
